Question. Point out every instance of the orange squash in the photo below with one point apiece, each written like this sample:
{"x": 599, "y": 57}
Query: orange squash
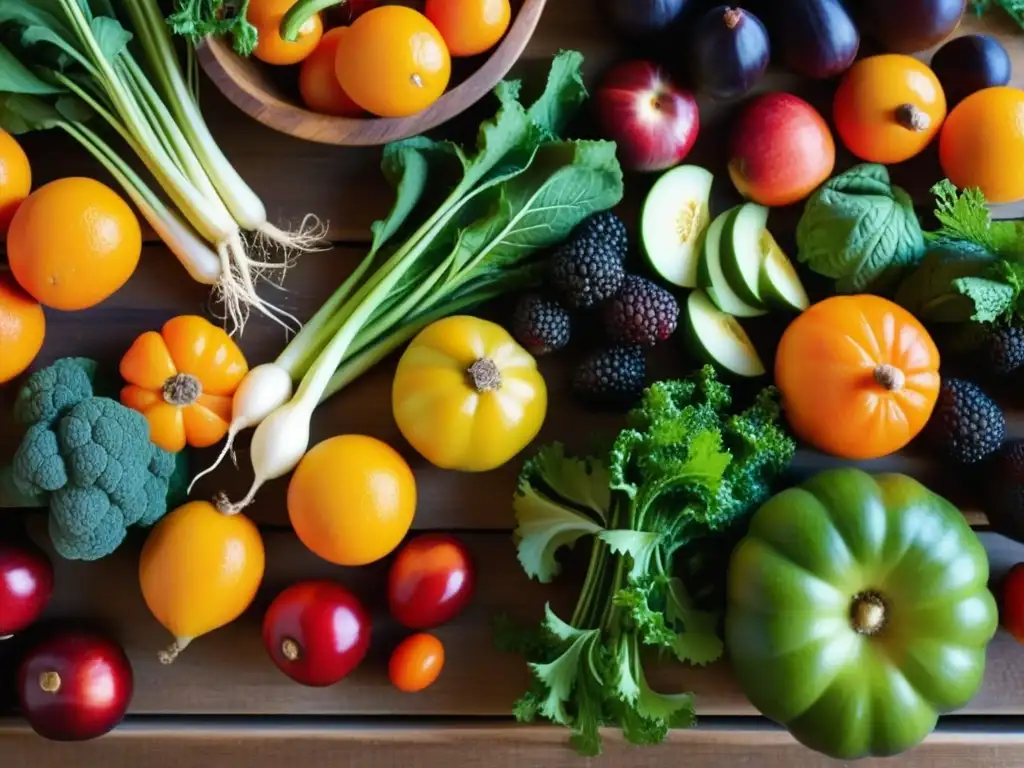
{"x": 182, "y": 380}
{"x": 859, "y": 376}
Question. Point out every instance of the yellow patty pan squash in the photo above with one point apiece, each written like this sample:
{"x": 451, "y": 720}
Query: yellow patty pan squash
{"x": 466, "y": 396}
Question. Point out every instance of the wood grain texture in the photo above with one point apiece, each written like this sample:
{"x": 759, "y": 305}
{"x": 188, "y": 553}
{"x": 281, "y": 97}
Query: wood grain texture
{"x": 251, "y": 87}
{"x": 466, "y": 746}
{"x": 229, "y": 673}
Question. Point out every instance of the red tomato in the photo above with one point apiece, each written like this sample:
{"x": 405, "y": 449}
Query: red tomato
{"x": 430, "y": 581}
{"x": 1013, "y": 602}
{"x": 316, "y": 632}
{"x": 416, "y": 663}
{"x": 318, "y": 84}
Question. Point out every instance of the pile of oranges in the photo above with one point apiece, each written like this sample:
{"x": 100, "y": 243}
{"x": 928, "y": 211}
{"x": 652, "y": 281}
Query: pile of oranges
{"x": 392, "y": 61}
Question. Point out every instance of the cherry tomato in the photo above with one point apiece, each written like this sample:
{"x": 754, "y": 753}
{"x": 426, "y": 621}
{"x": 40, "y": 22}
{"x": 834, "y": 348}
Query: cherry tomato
{"x": 416, "y": 663}
{"x": 318, "y": 84}
{"x": 431, "y": 581}
{"x": 1013, "y": 602}
{"x": 470, "y": 27}
{"x": 316, "y": 632}
{"x": 271, "y": 48}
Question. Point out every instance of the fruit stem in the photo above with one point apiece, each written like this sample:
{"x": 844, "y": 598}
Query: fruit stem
{"x": 889, "y": 377}
{"x": 182, "y": 389}
{"x": 485, "y": 375}
{"x": 732, "y": 17}
{"x": 224, "y": 505}
{"x": 49, "y": 681}
{"x": 867, "y": 613}
{"x": 290, "y": 649}
{"x": 168, "y": 656}
{"x": 912, "y": 118}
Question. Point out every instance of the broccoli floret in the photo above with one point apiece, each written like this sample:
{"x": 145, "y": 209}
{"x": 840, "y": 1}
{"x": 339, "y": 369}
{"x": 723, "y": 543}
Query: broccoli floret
{"x": 95, "y": 466}
{"x": 50, "y": 392}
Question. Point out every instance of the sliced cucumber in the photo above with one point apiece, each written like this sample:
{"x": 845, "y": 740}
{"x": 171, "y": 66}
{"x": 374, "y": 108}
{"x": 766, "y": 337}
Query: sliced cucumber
{"x": 780, "y": 284}
{"x": 741, "y": 252}
{"x": 718, "y": 338}
{"x": 675, "y": 215}
{"x": 710, "y": 276}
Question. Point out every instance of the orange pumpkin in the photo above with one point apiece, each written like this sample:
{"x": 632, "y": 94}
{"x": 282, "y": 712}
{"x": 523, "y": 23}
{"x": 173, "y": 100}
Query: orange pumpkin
{"x": 859, "y": 376}
{"x": 888, "y": 108}
{"x": 182, "y": 380}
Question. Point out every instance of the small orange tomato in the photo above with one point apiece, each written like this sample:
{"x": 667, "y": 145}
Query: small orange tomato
{"x": 469, "y": 27}
{"x": 888, "y": 108}
{"x": 182, "y": 380}
{"x": 394, "y": 62}
{"x": 859, "y": 376}
{"x": 318, "y": 84}
{"x": 271, "y": 48}
{"x": 416, "y": 663}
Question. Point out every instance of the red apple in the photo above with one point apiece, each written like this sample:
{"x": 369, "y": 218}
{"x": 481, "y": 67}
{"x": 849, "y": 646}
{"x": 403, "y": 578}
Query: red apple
{"x": 654, "y": 122}
{"x": 431, "y": 581}
{"x": 781, "y": 150}
{"x": 26, "y": 583}
{"x": 75, "y": 686}
{"x": 316, "y": 632}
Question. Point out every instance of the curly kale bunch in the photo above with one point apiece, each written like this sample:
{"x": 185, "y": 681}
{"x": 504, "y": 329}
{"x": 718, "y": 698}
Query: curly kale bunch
{"x": 90, "y": 460}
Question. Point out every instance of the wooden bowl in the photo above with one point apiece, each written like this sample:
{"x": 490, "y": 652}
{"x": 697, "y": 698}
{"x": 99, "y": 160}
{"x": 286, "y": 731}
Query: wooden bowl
{"x": 267, "y": 96}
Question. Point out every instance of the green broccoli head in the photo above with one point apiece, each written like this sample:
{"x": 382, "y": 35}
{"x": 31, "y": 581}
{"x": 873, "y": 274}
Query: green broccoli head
{"x": 50, "y": 392}
{"x": 102, "y": 474}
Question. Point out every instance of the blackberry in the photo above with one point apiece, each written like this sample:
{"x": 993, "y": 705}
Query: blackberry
{"x": 1004, "y": 491}
{"x": 641, "y": 313}
{"x": 587, "y": 269}
{"x": 540, "y": 324}
{"x": 606, "y": 226}
{"x": 966, "y": 425}
{"x": 1002, "y": 350}
{"x": 612, "y": 377}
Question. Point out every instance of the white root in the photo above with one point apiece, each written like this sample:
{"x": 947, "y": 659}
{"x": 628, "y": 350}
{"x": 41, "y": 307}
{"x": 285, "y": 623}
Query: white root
{"x": 310, "y": 236}
{"x": 248, "y": 270}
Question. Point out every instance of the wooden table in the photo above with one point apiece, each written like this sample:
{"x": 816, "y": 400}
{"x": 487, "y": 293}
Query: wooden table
{"x": 224, "y": 703}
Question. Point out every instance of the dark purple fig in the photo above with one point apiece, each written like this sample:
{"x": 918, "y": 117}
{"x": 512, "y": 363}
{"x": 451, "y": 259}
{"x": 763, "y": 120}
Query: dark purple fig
{"x": 970, "y": 63}
{"x": 639, "y": 19}
{"x": 908, "y": 26}
{"x": 729, "y": 52}
{"x": 813, "y": 38}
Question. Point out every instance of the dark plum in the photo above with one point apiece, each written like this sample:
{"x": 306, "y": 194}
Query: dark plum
{"x": 970, "y": 63}
{"x": 639, "y": 19}
{"x": 908, "y": 26}
{"x": 729, "y": 52}
{"x": 813, "y": 38}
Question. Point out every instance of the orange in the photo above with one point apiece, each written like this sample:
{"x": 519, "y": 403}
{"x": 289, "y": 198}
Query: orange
{"x": 351, "y": 500}
{"x": 394, "y": 62}
{"x": 470, "y": 27}
{"x": 888, "y": 108}
{"x": 271, "y": 48}
{"x": 982, "y": 144}
{"x": 15, "y": 178}
{"x": 73, "y": 243}
{"x": 199, "y": 570}
{"x": 318, "y": 84}
{"x": 22, "y": 327}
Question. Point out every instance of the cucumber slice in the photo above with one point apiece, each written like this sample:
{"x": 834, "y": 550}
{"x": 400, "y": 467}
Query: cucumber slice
{"x": 718, "y": 338}
{"x": 741, "y": 252}
{"x": 674, "y": 216}
{"x": 710, "y": 276}
{"x": 779, "y": 282}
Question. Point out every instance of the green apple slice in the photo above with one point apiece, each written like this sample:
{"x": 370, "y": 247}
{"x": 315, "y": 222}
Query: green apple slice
{"x": 710, "y": 276}
{"x": 718, "y": 338}
{"x": 742, "y": 256}
{"x": 779, "y": 282}
{"x": 674, "y": 217}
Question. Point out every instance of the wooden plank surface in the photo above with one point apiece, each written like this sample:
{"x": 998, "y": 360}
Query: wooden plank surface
{"x": 191, "y": 745}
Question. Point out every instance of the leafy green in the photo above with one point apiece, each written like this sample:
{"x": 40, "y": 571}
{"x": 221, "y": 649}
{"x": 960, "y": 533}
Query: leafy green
{"x": 975, "y": 267}
{"x": 685, "y": 469}
{"x": 1014, "y": 8}
{"x": 857, "y": 227}
{"x": 195, "y": 19}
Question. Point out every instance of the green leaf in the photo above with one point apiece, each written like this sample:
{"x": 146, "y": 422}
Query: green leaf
{"x": 15, "y": 77}
{"x": 560, "y": 677}
{"x": 559, "y": 629}
{"x": 583, "y": 482}
{"x": 992, "y": 299}
{"x": 406, "y": 166}
{"x": 111, "y": 38}
{"x": 20, "y": 113}
{"x": 696, "y": 640}
{"x": 640, "y": 546}
{"x": 928, "y": 292}
{"x": 562, "y": 97}
{"x": 195, "y": 19}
